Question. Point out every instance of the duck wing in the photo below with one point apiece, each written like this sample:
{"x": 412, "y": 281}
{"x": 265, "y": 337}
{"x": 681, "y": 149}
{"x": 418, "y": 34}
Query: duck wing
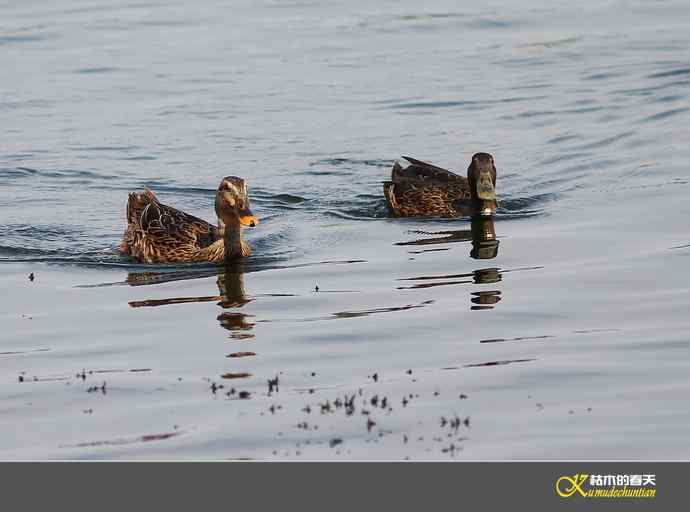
{"x": 422, "y": 171}
{"x": 164, "y": 225}
{"x": 423, "y": 189}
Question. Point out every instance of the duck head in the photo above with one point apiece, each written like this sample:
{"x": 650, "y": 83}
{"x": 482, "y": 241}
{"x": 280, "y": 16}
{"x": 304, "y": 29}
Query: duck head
{"x": 232, "y": 203}
{"x": 481, "y": 177}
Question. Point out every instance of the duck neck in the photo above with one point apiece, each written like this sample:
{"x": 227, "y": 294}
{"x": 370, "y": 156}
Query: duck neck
{"x": 232, "y": 238}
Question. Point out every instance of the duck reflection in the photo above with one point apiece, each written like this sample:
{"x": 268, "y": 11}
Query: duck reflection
{"x": 484, "y": 242}
{"x": 231, "y": 287}
{"x": 482, "y": 234}
{"x": 485, "y": 300}
{"x": 231, "y": 290}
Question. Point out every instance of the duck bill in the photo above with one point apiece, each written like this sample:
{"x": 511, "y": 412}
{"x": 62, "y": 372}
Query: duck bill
{"x": 247, "y": 218}
{"x": 485, "y": 188}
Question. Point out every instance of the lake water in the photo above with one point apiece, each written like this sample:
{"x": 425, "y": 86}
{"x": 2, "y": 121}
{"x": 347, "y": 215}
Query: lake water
{"x": 572, "y": 342}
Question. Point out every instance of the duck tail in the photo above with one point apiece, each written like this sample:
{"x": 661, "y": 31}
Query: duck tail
{"x": 136, "y": 204}
{"x": 388, "y": 192}
{"x": 396, "y": 172}
{"x": 389, "y": 188}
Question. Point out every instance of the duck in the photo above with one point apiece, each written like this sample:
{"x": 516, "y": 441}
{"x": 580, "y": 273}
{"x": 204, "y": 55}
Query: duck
{"x": 157, "y": 233}
{"x": 425, "y": 190}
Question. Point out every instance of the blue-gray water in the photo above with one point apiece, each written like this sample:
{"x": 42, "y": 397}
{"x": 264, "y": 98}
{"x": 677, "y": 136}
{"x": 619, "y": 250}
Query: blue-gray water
{"x": 571, "y": 343}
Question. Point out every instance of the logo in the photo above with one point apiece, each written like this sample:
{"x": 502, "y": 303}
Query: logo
{"x": 606, "y": 486}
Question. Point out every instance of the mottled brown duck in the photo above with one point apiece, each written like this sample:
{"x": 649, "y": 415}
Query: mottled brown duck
{"x": 422, "y": 189}
{"x": 157, "y": 233}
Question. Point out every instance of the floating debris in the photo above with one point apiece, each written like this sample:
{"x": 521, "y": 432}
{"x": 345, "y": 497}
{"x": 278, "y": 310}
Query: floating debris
{"x": 350, "y": 405}
{"x": 241, "y": 354}
{"x": 272, "y": 385}
{"x": 93, "y": 389}
{"x": 241, "y": 375}
{"x": 451, "y": 449}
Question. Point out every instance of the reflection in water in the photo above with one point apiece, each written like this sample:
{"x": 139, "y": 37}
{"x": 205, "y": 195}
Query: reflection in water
{"x": 490, "y": 363}
{"x": 500, "y": 363}
{"x": 484, "y": 243}
{"x": 148, "y": 278}
{"x": 237, "y": 324}
{"x": 354, "y": 314}
{"x": 485, "y": 300}
{"x": 481, "y": 300}
{"x": 231, "y": 287}
{"x": 481, "y": 276}
{"x": 367, "y": 312}
{"x": 172, "y": 300}
{"x": 235, "y": 321}
{"x": 487, "y": 275}
{"x": 481, "y": 233}
{"x": 484, "y": 246}
{"x": 232, "y": 294}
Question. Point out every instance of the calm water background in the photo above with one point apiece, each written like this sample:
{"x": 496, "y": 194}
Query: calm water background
{"x": 577, "y": 345}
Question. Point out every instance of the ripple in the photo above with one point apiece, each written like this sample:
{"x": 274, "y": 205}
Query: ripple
{"x": 472, "y": 104}
{"x": 492, "y": 23}
{"x": 355, "y": 162}
{"x": 96, "y": 70}
{"x": 28, "y": 38}
{"x": 665, "y": 114}
{"x": 673, "y": 72}
{"x": 434, "y": 104}
{"x": 605, "y": 141}
{"x": 65, "y": 175}
{"x": 126, "y": 440}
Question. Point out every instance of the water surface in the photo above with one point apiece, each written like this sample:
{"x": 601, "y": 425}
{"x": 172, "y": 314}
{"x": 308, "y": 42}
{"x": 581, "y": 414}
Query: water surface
{"x": 565, "y": 340}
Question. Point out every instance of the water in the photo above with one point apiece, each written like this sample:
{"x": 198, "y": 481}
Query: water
{"x": 570, "y": 343}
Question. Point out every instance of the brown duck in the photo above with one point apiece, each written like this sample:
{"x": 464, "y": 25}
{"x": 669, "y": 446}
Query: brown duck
{"x": 157, "y": 233}
{"x": 422, "y": 189}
